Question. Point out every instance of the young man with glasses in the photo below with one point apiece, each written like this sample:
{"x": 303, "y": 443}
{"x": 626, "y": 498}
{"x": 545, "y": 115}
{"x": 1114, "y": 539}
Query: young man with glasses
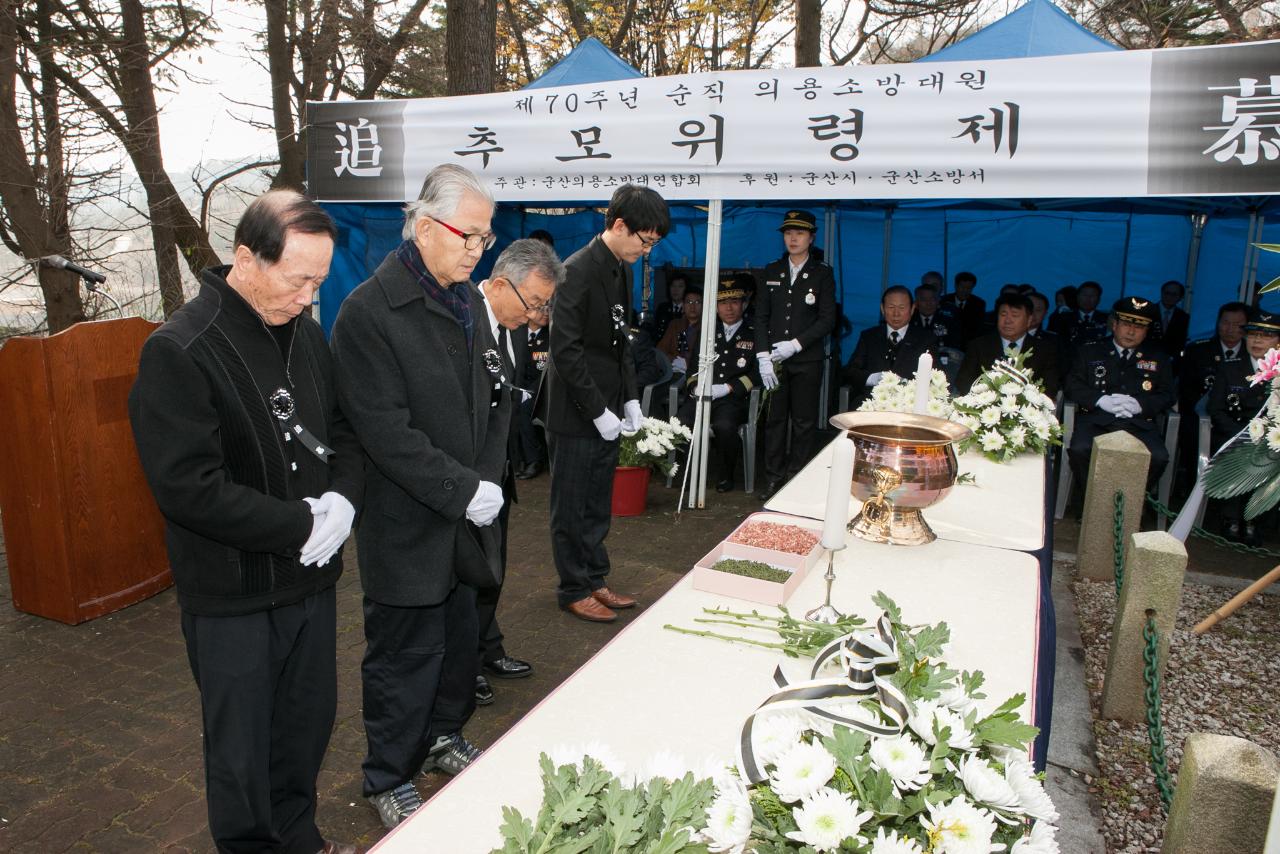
{"x": 590, "y": 396}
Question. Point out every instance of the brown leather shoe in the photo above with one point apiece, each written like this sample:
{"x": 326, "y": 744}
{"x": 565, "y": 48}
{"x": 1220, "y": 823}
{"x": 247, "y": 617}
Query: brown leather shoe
{"x": 605, "y": 596}
{"x": 339, "y": 848}
{"x": 590, "y": 609}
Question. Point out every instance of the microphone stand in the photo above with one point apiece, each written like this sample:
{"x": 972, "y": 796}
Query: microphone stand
{"x": 92, "y": 287}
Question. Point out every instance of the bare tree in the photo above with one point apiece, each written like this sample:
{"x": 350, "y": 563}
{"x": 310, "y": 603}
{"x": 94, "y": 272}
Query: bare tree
{"x": 808, "y": 33}
{"x": 470, "y": 28}
{"x": 1171, "y": 23}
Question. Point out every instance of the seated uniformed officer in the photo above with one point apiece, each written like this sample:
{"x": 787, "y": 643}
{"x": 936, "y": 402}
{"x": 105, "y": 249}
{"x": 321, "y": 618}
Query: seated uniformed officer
{"x": 944, "y": 324}
{"x": 893, "y": 345}
{"x": 795, "y": 312}
{"x": 1120, "y": 385}
{"x": 734, "y": 374}
{"x": 1197, "y": 370}
{"x": 1234, "y": 401}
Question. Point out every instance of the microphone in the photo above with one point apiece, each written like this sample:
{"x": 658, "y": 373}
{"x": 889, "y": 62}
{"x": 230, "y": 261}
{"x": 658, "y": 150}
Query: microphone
{"x": 83, "y": 272}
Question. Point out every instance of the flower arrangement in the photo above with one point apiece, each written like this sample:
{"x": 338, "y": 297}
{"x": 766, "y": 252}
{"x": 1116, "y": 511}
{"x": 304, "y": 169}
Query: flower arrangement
{"x": 652, "y": 445}
{"x": 1008, "y": 413}
{"x": 907, "y": 767}
{"x": 1250, "y": 462}
{"x": 894, "y": 393}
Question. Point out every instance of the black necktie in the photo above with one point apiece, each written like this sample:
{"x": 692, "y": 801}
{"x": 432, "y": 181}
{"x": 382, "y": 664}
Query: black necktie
{"x": 1127, "y": 353}
{"x": 504, "y": 347}
{"x": 1229, "y": 355}
{"x": 893, "y": 338}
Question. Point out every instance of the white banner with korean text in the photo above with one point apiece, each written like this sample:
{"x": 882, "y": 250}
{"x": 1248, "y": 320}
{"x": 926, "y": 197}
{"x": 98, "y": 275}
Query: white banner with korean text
{"x": 1187, "y": 121}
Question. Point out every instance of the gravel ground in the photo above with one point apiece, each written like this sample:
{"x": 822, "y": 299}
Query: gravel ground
{"x": 1223, "y": 682}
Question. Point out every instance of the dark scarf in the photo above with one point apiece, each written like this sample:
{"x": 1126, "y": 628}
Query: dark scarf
{"x": 456, "y": 299}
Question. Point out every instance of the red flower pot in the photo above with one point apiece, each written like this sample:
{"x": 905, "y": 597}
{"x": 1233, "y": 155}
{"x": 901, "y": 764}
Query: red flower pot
{"x": 630, "y": 490}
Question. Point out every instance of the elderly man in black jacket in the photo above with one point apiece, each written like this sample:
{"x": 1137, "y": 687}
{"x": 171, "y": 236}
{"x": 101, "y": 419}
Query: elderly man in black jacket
{"x": 420, "y": 378}
{"x": 894, "y": 345}
{"x": 590, "y": 396}
{"x": 257, "y": 474}
{"x": 1011, "y": 338}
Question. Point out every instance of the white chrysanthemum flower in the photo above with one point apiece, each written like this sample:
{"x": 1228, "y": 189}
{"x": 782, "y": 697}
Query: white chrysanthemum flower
{"x": 971, "y": 422}
{"x": 986, "y": 785}
{"x": 774, "y": 733}
{"x": 852, "y": 709}
{"x": 1257, "y": 429}
{"x": 663, "y": 765}
{"x": 728, "y": 822}
{"x": 1031, "y": 795}
{"x": 938, "y": 408}
{"x": 987, "y": 396}
{"x": 1018, "y": 437}
{"x": 1041, "y": 840}
{"x": 1004, "y": 754}
{"x": 826, "y": 819}
{"x": 801, "y": 771}
{"x": 1042, "y": 431}
{"x": 954, "y": 696}
{"x": 928, "y": 711}
{"x": 959, "y": 827}
{"x": 893, "y": 844}
{"x": 605, "y": 755}
{"x": 903, "y": 759}
{"x": 1273, "y": 438}
{"x": 990, "y": 416}
{"x": 991, "y": 440}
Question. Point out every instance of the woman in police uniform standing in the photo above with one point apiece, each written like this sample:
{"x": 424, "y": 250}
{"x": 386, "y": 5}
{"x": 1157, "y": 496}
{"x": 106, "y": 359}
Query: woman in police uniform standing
{"x": 1233, "y": 401}
{"x": 795, "y": 312}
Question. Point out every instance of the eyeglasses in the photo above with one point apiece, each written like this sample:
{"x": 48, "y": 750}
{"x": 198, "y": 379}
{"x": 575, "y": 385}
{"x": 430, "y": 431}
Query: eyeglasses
{"x": 471, "y": 241}
{"x": 646, "y": 242}
{"x": 543, "y": 308}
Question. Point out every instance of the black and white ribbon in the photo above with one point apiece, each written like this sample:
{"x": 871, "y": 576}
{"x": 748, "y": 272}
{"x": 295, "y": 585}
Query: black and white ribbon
{"x": 282, "y": 407}
{"x": 867, "y": 660}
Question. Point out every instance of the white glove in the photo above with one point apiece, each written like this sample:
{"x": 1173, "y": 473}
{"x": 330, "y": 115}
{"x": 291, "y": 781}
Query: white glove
{"x": 678, "y": 365}
{"x": 719, "y": 390}
{"x": 874, "y": 379}
{"x": 525, "y": 397}
{"x": 1130, "y": 404}
{"x": 784, "y": 350}
{"x": 331, "y": 526}
{"x": 1114, "y": 404}
{"x": 485, "y": 504}
{"x": 767, "y": 374}
{"x": 608, "y": 425}
{"x": 632, "y": 417}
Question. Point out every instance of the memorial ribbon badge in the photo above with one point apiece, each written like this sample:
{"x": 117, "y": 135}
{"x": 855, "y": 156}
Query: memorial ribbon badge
{"x": 286, "y": 412}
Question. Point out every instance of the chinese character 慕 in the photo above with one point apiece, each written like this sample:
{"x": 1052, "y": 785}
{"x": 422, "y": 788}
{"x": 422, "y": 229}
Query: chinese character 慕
{"x": 1247, "y": 116}
{"x": 360, "y": 153}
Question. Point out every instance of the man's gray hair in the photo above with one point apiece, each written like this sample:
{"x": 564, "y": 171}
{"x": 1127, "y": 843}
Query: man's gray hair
{"x": 527, "y": 256}
{"x": 442, "y": 192}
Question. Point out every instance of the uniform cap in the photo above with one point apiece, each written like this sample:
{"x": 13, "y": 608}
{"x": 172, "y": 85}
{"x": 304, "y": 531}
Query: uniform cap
{"x": 799, "y": 219}
{"x": 1263, "y": 321}
{"x": 1136, "y": 310}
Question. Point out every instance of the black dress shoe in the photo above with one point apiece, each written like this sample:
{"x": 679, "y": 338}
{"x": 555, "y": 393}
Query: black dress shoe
{"x": 529, "y": 472}
{"x": 724, "y": 486}
{"x": 770, "y": 488}
{"x": 508, "y": 667}
{"x": 484, "y": 693}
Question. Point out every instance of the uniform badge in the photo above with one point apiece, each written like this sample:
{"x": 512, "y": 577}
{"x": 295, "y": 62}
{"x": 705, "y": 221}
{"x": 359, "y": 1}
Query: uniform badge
{"x": 1233, "y": 401}
{"x": 742, "y": 362}
{"x": 1146, "y": 385}
{"x": 804, "y": 275}
{"x": 939, "y": 329}
{"x": 1099, "y": 371}
{"x": 772, "y": 283}
{"x": 1147, "y": 365}
{"x": 809, "y": 298}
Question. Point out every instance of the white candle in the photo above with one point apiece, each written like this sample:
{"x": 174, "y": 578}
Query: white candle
{"x": 924, "y": 376}
{"x": 1181, "y": 527}
{"x": 836, "y": 518}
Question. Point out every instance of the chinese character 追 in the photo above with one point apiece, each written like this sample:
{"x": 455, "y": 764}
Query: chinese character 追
{"x": 360, "y": 153}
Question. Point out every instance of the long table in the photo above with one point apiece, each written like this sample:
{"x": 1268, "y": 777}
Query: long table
{"x": 651, "y": 689}
{"x": 1007, "y": 506}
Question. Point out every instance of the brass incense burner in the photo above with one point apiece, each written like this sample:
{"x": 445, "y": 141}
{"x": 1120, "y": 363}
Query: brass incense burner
{"x": 903, "y": 463}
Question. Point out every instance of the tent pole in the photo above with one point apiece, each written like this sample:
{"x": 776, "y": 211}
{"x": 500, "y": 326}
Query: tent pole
{"x": 1257, "y": 256}
{"x": 888, "y": 244}
{"x": 1124, "y": 256}
{"x": 1198, "y": 222}
{"x": 1245, "y": 281}
{"x": 706, "y": 357}
{"x": 833, "y": 258}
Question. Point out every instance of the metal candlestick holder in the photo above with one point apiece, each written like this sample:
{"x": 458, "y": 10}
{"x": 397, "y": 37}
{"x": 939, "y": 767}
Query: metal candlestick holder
{"x": 826, "y": 613}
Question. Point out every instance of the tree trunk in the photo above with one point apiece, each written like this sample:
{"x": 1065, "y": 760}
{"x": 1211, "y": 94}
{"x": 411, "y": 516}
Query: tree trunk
{"x": 470, "y": 45}
{"x": 808, "y": 33}
{"x": 33, "y": 224}
{"x": 280, "y": 65}
{"x": 1232, "y": 18}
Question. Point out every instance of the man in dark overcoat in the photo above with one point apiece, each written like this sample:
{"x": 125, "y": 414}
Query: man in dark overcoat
{"x": 892, "y": 345}
{"x": 1012, "y": 337}
{"x": 419, "y": 377}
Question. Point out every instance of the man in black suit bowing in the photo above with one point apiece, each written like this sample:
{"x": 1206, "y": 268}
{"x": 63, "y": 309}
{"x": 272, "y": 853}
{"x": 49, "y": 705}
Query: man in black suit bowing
{"x": 590, "y": 396}
{"x": 894, "y": 345}
{"x": 519, "y": 290}
{"x": 1013, "y": 320}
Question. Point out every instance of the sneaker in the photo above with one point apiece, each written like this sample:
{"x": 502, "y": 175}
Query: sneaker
{"x": 395, "y": 805}
{"x": 451, "y": 754}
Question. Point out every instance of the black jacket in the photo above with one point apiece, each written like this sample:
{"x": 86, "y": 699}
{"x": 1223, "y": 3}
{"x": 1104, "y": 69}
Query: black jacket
{"x": 1233, "y": 401}
{"x": 1173, "y": 339}
{"x": 1198, "y": 370}
{"x": 590, "y": 367}
{"x": 805, "y": 310}
{"x": 944, "y": 325}
{"x": 736, "y": 363}
{"x": 433, "y": 425}
{"x": 983, "y": 352}
{"x": 875, "y": 355}
{"x": 972, "y": 315}
{"x": 1097, "y": 370}
{"x": 229, "y": 486}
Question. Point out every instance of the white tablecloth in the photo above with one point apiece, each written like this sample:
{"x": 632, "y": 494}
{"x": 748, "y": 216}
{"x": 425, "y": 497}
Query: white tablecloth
{"x": 1004, "y": 508}
{"x": 650, "y": 689}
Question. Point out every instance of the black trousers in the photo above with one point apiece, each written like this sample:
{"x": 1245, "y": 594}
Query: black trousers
{"x": 531, "y": 443}
{"x": 419, "y": 682}
{"x": 268, "y": 694}
{"x": 794, "y": 400}
{"x": 727, "y": 415}
{"x": 1082, "y": 448}
{"x": 581, "y": 504}
{"x": 491, "y": 648}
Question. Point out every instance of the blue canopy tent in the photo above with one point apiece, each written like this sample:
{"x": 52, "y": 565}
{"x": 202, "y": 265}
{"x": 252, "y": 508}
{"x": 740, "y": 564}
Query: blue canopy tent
{"x": 1036, "y": 28}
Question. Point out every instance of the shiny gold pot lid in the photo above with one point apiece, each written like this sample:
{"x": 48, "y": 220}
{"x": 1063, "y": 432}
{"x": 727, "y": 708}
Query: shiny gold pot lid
{"x": 900, "y": 428}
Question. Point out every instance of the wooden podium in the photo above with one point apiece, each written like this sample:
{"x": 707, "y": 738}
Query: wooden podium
{"x": 83, "y": 534}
